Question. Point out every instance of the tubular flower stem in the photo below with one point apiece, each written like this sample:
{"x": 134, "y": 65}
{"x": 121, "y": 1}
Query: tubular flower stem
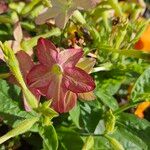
{"x": 13, "y": 64}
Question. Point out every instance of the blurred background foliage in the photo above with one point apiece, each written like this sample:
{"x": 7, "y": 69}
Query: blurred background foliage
{"x": 117, "y": 35}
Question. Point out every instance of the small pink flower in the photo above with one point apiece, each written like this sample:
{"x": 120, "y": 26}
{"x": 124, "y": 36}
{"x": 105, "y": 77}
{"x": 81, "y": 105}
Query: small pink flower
{"x": 57, "y": 77}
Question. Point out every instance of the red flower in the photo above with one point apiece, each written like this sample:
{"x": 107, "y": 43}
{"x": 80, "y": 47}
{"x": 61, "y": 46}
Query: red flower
{"x": 57, "y": 77}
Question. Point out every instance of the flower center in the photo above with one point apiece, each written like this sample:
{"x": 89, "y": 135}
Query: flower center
{"x": 57, "y": 69}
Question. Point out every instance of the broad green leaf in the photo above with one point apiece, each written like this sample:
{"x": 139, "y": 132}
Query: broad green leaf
{"x": 49, "y": 136}
{"x": 10, "y": 109}
{"x": 139, "y": 127}
{"x": 114, "y": 143}
{"x": 141, "y": 88}
{"x": 75, "y": 115}
{"x": 90, "y": 117}
{"x": 106, "y": 89}
{"x": 111, "y": 86}
{"x": 108, "y": 100}
{"x": 101, "y": 143}
{"x": 130, "y": 135}
{"x": 69, "y": 139}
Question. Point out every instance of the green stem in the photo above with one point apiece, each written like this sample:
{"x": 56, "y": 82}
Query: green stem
{"x": 22, "y": 127}
{"x": 116, "y": 7}
{"x": 4, "y": 75}
{"x": 130, "y": 53}
{"x": 126, "y": 107}
{"x": 13, "y": 64}
{"x": 29, "y": 7}
{"x": 105, "y": 19}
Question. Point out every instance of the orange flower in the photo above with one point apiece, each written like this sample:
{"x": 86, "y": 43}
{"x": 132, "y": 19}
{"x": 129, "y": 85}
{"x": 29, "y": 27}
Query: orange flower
{"x": 141, "y": 108}
{"x": 144, "y": 41}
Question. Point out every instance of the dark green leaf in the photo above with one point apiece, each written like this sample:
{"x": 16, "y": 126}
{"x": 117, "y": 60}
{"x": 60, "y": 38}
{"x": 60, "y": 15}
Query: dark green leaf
{"x": 108, "y": 100}
{"x": 49, "y": 136}
{"x": 138, "y": 127}
{"x": 141, "y": 89}
{"x": 69, "y": 139}
{"x": 10, "y": 109}
{"x": 75, "y": 115}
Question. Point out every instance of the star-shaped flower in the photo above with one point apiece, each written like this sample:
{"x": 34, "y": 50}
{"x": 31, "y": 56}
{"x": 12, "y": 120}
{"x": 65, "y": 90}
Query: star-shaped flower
{"x": 57, "y": 76}
{"x": 62, "y": 10}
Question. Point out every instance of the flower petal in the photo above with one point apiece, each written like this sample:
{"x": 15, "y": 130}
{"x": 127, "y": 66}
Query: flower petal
{"x": 39, "y": 76}
{"x": 86, "y": 64}
{"x": 46, "y": 52}
{"x": 61, "y": 20}
{"x": 70, "y": 101}
{"x": 69, "y": 57}
{"x": 36, "y": 93}
{"x": 3, "y": 6}
{"x": 62, "y": 99}
{"x": 86, "y": 4}
{"x": 88, "y": 96}
{"x": 14, "y": 45}
{"x": 17, "y": 32}
{"x": 25, "y": 63}
{"x": 77, "y": 80}
{"x": 47, "y": 14}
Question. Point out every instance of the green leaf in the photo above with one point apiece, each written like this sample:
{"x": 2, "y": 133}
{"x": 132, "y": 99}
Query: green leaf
{"x": 111, "y": 86}
{"x": 29, "y": 7}
{"x": 10, "y": 109}
{"x": 101, "y": 143}
{"x": 75, "y": 115}
{"x": 138, "y": 127}
{"x": 106, "y": 89}
{"x": 108, "y": 100}
{"x": 49, "y": 136}
{"x": 114, "y": 143}
{"x": 69, "y": 139}
{"x": 29, "y": 44}
{"x": 89, "y": 143}
{"x": 90, "y": 117}
{"x": 129, "y": 53}
{"x": 141, "y": 88}
{"x": 130, "y": 136}
{"x": 21, "y": 128}
{"x": 110, "y": 121}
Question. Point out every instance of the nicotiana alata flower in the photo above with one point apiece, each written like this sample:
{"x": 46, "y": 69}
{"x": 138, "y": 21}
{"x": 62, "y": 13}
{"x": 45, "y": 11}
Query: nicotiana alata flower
{"x": 57, "y": 77}
{"x": 61, "y": 10}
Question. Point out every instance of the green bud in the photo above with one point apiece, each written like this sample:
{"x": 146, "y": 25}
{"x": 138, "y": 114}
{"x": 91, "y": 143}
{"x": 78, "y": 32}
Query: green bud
{"x": 13, "y": 64}
{"x": 22, "y": 127}
{"x": 110, "y": 121}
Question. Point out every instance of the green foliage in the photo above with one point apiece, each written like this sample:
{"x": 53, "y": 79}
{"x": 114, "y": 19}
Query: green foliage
{"x": 67, "y": 138}
{"x": 107, "y": 32}
{"x": 141, "y": 88}
{"x": 10, "y": 108}
{"x": 75, "y": 115}
{"x": 49, "y": 136}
